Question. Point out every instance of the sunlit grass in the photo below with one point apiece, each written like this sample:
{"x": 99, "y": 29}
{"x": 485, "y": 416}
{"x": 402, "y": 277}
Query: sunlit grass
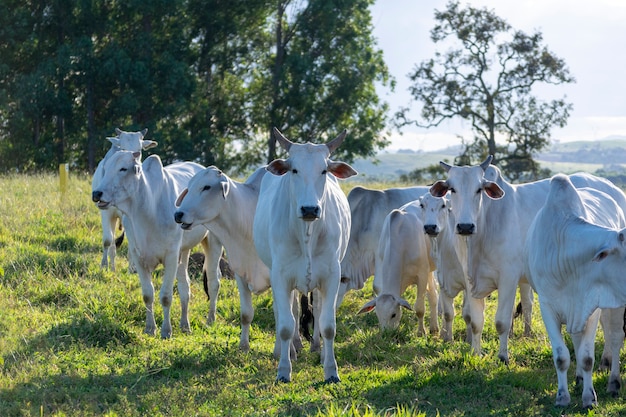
{"x": 72, "y": 342}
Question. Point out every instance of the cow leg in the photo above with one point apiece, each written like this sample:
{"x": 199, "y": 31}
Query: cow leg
{"x": 560, "y": 353}
{"x": 527, "y": 299}
{"x": 328, "y": 323}
{"x": 584, "y": 350}
{"x": 474, "y": 316}
{"x": 504, "y": 316}
{"x": 612, "y": 321}
{"x": 285, "y": 325}
{"x": 147, "y": 290}
{"x": 184, "y": 291}
{"x": 433, "y": 302}
{"x": 420, "y": 305}
{"x": 130, "y": 237}
{"x": 447, "y": 304}
{"x": 296, "y": 342}
{"x": 316, "y": 343}
{"x": 212, "y": 254}
{"x": 108, "y": 220}
{"x": 170, "y": 266}
{"x": 246, "y": 313}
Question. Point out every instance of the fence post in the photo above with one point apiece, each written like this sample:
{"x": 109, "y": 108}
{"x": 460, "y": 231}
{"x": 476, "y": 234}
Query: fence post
{"x": 64, "y": 173}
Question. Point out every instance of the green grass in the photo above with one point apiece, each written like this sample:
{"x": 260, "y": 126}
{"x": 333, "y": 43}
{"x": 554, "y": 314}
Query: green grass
{"x": 72, "y": 342}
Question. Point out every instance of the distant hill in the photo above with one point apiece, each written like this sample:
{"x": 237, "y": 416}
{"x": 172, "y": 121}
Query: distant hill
{"x": 606, "y": 157}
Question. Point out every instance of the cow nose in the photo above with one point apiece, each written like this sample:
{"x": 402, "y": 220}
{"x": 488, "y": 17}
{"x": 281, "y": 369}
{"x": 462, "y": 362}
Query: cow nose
{"x": 431, "y": 229}
{"x": 465, "y": 228}
{"x": 178, "y": 216}
{"x": 96, "y": 196}
{"x": 310, "y": 212}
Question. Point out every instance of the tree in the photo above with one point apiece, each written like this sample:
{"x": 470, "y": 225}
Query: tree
{"x": 320, "y": 77}
{"x": 487, "y": 80}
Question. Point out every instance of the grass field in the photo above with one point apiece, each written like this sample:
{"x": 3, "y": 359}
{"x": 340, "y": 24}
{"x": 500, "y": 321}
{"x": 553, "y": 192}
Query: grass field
{"x": 72, "y": 342}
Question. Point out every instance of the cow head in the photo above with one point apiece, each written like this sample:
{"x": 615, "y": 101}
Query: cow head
{"x": 466, "y": 185}
{"x": 434, "y": 213}
{"x": 132, "y": 141}
{"x": 388, "y": 310}
{"x": 202, "y": 200}
{"x": 307, "y": 169}
{"x": 121, "y": 175}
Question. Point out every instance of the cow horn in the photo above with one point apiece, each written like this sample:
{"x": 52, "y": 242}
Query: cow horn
{"x": 486, "y": 162}
{"x": 334, "y": 144}
{"x": 284, "y": 142}
{"x": 144, "y": 132}
{"x": 118, "y": 131}
{"x": 446, "y": 167}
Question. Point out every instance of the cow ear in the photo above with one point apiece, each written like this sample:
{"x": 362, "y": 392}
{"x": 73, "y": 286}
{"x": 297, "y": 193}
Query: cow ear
{"x": 147, "y": 144}
{"x": 278, "y": 167}
{"x": 404, "y": 303}
{"x": 493, "y": 190}
{"x": 180, "y": 198}
{"x": 114, "y": 141}
{"x": 225, "y": 188}
{"x": 341, "y": 169}
{"x": 439, "y": 189}
{"x": 369, "y": 306}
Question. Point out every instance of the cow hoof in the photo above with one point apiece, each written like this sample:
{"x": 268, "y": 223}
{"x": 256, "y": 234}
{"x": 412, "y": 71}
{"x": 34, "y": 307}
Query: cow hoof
{"x": 283, "y": 379}
{"x": 332, "y": 380}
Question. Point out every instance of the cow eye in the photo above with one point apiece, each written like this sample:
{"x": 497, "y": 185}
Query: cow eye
{"x": 452, "y": 190}
{"x": 421, "y": 205}
{"x": 478, "y": 191}
{"x": 294, "y": 171}
{"x": 206, "y": 188}
{"x": 324, "y": 172}
{"x": 443, "y": 206}
{"x": 123, "y": 169}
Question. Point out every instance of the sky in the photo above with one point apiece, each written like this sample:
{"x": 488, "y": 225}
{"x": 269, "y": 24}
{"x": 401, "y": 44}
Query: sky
{"x": 590, "y": 36}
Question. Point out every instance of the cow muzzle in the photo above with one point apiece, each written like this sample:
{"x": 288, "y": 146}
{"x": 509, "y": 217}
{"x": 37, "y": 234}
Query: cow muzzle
{"x": 310, "y": 213}
{"x": 96, "y": 197}
{"x": 178, "y": 218}
{"x": 431, "y": 230}
{"x": 465, "y": 228}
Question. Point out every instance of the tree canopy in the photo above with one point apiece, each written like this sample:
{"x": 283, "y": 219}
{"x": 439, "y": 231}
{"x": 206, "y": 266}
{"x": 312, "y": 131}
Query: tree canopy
{"x": 486, "y": 76}
{"x": 208, "y": 78}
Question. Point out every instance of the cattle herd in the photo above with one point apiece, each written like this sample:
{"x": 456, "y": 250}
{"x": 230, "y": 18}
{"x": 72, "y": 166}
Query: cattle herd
{"x": 291, "y": 228}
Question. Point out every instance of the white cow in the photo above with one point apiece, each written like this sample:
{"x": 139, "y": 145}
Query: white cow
{"x": 495, "y": 229}
{"x": 145, "y": 194}
{"x": 112, "y": 217}
{"x": 226, "y": 207}
{"x": 301, "y": 229}
{"x": 403, "y": 259}
{"x": 368, "y": 209}
{"x": 450, "y": 257}
{"x": 576, "y": 258}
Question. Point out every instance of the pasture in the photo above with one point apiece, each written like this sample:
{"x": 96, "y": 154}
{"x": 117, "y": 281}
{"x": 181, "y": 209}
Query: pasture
{"x": 72, "y": 342}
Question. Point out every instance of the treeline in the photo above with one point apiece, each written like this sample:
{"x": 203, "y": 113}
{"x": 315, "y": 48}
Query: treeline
{"x": 208, "y": 78}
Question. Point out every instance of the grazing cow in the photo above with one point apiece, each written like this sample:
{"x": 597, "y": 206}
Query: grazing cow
{"x": 368, "y": 209}
{"x": 301, "y": 229}
{"x": 450, "y": 257}
{"x": 226, "y": 207}
{"x": 403, "y": 259}
{"x": 576, "y": 257}
{"x": 145, "y": 194}
{"x": 495, "y": 228}
{"x": 128, "y": 141}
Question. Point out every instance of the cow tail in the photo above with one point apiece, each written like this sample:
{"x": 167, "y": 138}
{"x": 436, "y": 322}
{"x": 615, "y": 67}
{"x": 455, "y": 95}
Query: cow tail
{"x": 119, "y": 240}
{"x": 205, "y": 282}
{"x": 306, "y": 316}
{"x": 518, "y": 311}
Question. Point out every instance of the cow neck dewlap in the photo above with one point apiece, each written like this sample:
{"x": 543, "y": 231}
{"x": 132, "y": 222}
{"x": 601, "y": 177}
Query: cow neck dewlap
{"x": 307, "y": 253}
